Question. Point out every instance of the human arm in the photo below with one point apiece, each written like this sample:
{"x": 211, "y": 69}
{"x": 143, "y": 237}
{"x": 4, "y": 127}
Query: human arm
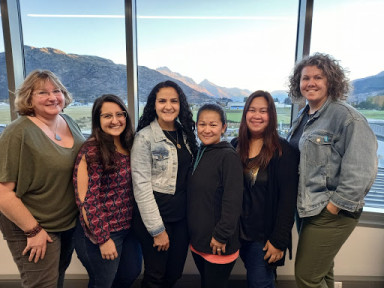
{"x": 272, "y": 253}
{"x": 14, "y": 209}
{"x": 332, "y": 208}
{"x": 161, "y": 241}
{"x": 88, "y": 199}
{"x": 286, "y": 182}
{"x": 108, "y": 250}
{"x": 357, "y": 147}
{"x": 232, "y": 197}
{"x": 217, "y": 247}
{"x": 141, "y": 169}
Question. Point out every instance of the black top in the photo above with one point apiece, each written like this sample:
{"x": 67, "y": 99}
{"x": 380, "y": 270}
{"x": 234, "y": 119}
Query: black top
{"x": 252, "y": 217}
{"x": 295, "y": 138}
{"x": 278, "y": 187}
{"x": 173, "y": 207}
{"x": 215, "y": 194}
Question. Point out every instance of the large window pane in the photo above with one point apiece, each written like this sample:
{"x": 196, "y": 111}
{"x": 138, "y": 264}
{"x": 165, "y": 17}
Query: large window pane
{"x": 350, "y": 31}
{"x": 218, "y": 51}
{"x": 5, "y": 114}
{"x": 83, "y": 42}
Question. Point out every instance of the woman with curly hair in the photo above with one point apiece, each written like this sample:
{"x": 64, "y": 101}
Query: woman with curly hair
{"x": 338, "y": 165}
{"x": 105, "y": 244}
{"x": 162, "y": 154}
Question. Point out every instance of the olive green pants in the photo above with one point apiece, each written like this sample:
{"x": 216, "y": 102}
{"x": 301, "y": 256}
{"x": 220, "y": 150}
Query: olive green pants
{"x": 320, "y": 239}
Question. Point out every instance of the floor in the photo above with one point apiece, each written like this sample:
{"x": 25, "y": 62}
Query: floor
{"x": 193, "y": 282}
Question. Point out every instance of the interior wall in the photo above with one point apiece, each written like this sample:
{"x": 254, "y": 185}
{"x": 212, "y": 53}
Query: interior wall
{"x": 361, "y": 255}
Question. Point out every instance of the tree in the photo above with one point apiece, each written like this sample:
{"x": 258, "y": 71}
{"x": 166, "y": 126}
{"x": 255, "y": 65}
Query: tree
{"x": 287, "y": 101}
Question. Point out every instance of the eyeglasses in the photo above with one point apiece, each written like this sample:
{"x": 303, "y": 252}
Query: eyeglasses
{"x": 118, "y": 115}
{"x": 45, "y": 94}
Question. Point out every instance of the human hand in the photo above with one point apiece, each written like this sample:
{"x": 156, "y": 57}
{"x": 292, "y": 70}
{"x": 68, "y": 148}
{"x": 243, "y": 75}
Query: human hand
{"x": 217, "y": 247}
{"x": 161, "y": 241}
{"x": 108, "y": 250}
{"x": 37, "y": 245}
{"x": 272, "y": 253}
{"x": 333, "y": 209}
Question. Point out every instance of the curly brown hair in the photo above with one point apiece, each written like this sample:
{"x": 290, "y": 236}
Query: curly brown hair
{"x": 338, "y": 82}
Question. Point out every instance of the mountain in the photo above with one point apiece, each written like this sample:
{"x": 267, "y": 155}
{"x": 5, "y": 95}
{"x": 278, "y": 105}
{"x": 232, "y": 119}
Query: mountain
{"x": 186, "y": 80}
{"x": 367, "y": 87}
{"x": 234, "y": 94}
{"x": 88, "y": 77}
{"x": 207, "y": 87}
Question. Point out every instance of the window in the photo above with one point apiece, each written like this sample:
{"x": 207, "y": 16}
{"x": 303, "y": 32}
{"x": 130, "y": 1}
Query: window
{"x": 5, "y": 116}
{"x": 218, "y": 51}
{"x": 354, "y": 41}
{"x": 83, "y": 42}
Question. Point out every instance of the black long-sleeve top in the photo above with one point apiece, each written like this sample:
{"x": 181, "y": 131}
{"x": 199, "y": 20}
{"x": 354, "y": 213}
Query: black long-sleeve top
{"x": 273, "y": 218}
{"x": 215, "y": 195}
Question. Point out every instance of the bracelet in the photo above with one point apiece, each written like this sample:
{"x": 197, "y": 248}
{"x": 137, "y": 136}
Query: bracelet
{"x": 34, "y": 231}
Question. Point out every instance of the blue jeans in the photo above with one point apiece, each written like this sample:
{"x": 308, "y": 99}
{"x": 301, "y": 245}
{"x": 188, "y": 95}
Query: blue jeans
{"x": 259, "y": 273}
{"x": 120, "y": 272}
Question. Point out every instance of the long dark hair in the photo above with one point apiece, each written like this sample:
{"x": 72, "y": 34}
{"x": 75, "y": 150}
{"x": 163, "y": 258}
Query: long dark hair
{"x": 105, "y": 141}
{"x": 270, "y": 136}
{"x": 185, "y": 115}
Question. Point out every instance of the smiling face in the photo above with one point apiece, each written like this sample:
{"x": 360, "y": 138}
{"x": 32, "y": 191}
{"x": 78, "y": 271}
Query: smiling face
{"x": 47, "y": 100}
{"x": 210, "y": 127}
{"x": 314, "y": 87}
{"x": 112, "y": 119}
{"x": 167, "y": 107}
{"x": 257, "y": 117}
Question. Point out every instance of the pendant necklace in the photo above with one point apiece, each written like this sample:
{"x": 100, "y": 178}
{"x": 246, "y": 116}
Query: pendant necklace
{"x": 175, "y": 140}
{"x": 56, "y": 136}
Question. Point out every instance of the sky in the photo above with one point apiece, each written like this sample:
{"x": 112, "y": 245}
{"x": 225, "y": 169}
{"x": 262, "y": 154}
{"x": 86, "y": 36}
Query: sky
{"x": 249, "y": 44}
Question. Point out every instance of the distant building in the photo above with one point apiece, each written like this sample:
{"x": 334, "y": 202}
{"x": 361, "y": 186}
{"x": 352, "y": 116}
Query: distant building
{"x": 236, "y": 105}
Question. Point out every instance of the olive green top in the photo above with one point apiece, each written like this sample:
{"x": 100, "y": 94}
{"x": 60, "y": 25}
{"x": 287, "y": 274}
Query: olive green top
{"x": 42, "y": 171}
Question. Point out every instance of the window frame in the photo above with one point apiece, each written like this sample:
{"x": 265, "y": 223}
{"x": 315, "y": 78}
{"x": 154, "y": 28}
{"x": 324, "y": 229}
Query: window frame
{"x": 13, "y": 44}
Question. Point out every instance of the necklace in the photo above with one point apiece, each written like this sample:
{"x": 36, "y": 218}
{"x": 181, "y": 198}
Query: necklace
{"x": 55, "y": 135}
{"x": 174, "y": 140}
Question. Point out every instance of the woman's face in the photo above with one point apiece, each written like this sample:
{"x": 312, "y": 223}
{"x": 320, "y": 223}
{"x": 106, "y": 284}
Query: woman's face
{"x": 209, "y": 127}
{"x": 314, "y": 86}
{"x": 257, "y": 117}
{"x": 113, "y": 119}
{"x": 47, "y": 99}
{"x": 167, "y": 107}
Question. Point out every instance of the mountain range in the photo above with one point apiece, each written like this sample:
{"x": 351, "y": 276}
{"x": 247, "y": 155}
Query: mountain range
{"x": 88, "y": 77}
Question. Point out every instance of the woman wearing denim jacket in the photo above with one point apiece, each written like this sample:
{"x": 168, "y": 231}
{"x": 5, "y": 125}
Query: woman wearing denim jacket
{"x": 162, "y": 154}
{"x": 338, "y": 165}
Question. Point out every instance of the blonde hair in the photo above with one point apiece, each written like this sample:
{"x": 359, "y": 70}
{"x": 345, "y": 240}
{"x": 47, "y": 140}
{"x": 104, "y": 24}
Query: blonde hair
{"x": 23, "y": 101}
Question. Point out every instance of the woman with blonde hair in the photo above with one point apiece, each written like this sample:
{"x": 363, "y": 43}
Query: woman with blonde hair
{"x": 38, "y": 210}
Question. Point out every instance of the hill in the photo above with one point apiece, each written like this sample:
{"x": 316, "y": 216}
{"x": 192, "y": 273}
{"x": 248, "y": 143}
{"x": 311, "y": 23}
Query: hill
{"x": 88, "y": 77}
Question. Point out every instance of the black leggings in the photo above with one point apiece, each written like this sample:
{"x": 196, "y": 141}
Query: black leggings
{"x": 163, "y": 268}
{"x": 213, "y": 275}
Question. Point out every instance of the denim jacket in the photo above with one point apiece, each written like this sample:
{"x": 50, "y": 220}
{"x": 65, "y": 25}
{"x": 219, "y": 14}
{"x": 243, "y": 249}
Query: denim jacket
{"x": 338, "y": 159}
{"x": 154, "y": 168}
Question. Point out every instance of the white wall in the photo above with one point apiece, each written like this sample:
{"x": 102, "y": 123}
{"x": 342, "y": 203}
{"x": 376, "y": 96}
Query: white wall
{"x": 361, "y": 255}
